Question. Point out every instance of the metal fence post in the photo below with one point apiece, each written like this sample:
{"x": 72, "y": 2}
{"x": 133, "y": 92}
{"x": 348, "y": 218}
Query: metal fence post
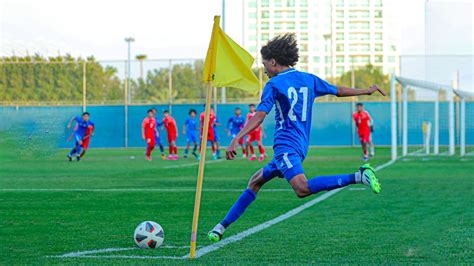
{"x": 125, "y": 98}
{"x": 170, "y": 87}
{"x": 84, "y": 86}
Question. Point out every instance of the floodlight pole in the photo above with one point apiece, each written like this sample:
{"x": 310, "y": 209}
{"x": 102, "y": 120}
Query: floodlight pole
{"x": 129, "y": 40}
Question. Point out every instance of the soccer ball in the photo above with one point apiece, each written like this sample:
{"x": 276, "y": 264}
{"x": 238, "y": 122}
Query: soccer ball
{"x": 149, "y": 235}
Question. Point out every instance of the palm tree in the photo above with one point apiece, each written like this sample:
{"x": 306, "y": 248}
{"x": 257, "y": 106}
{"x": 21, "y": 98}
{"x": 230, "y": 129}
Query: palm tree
{"x": 141, "y": 58}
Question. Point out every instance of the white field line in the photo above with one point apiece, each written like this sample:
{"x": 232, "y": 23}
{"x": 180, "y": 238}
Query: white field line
{"x": 108, "y": 250}
{"x": 195, "y": 163}
{"x": 134, "y": 190}
{"x": 207, "y": 249}
{"x": 203, "y": 251}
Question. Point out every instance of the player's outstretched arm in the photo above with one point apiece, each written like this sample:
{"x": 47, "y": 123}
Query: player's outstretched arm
{"x": 252, "y": 124}
{"x": 70, "y": 122}
{"x": 346, "y": 92}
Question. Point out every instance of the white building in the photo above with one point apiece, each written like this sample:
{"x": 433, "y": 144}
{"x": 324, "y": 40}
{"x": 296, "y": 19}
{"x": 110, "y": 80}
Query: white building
{"x": 334, "y": 36}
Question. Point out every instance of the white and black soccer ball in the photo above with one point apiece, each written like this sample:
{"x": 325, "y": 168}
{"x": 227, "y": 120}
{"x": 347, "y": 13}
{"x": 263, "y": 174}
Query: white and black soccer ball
{"x": 149, "y": 235}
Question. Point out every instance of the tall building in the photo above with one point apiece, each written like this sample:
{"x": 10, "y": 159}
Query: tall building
{"x": 334, "y": 36}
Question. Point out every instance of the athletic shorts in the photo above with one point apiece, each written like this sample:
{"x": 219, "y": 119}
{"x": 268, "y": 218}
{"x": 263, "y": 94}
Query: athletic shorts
{"x": 241, "y": 141}
{"x": 254, "y": 136}
{"x": 192, "y": 138}
{"x": 85, "y": 143}
{"x": 157, "y": 139}
{"x": 151, "y": 142}
{"x": 287, "y": 165}
{"x": 364, "y": 137}
{"x": 210, "y": 134}
{"x": 171, "y": 137}
{"x": 78, "y": 138}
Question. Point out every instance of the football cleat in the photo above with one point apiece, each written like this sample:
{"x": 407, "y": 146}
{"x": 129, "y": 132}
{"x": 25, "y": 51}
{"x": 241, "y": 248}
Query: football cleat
{"x": 261, "y": 158}
{"x": 253, "y": 157}
{"x": 214, "y": 236}
{"x": 195, "y": 154}
{"x": 69, "y": 157}
{"x": 163, "y": 156}
{"x": 78, "y": 158}
{"x": 368, "y": 178}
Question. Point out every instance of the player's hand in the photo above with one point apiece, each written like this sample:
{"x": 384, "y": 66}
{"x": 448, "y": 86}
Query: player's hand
{"x": 375, "y": 88}
{"x": 232, "y": 149}
{"x": 69, "y": 126}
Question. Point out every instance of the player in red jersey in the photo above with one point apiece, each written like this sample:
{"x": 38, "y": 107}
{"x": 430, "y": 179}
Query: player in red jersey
{"x": 148, "y": 132}
{"x": 255, "y": 135}
{"x": 210, "y": 132}
{"x": 87, "y": 139}
{"x": 362, "y": 120}
{"x": 170, "y": 124}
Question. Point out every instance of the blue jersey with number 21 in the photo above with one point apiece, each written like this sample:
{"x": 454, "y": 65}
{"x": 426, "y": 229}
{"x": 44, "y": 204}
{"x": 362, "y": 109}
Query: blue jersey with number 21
{"x": 292, "y": 93}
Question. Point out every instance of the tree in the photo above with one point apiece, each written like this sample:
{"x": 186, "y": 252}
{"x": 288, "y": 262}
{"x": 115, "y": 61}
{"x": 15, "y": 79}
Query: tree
{"x": 364, "y": 78}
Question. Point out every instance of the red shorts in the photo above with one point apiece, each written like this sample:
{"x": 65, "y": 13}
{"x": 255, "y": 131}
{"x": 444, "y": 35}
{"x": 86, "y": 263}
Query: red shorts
{"x": 364, "y": 136}
{"x": 85, "y": 143}
{"x": 151, "y": 141}
{"x": 255, "y": 135}
{"x": 210, "y": 134}
{"x": 171, "y": 137}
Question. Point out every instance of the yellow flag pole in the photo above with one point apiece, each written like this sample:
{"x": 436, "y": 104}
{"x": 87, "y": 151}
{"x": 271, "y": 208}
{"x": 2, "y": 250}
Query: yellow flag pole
{"x": 197, "y": 201}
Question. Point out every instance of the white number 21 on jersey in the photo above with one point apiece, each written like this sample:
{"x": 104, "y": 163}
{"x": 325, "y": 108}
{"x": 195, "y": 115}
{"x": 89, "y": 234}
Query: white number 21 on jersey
{"x": 293, "y": 96}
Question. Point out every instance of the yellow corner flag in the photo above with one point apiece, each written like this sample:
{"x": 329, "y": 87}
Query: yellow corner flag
{"x": 227, "y": 64}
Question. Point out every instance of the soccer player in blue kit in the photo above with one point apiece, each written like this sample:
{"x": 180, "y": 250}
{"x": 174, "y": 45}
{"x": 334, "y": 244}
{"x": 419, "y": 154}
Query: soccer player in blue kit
{"x": 234, "y": 125}
{"x": 190, "y": 130}
{"x": 82, "y": 123}
{"x": 157, "y": 135}
{"x": 292, "y": 92}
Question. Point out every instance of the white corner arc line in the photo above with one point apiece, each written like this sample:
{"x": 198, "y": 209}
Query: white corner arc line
{"x": 203, "y": 251}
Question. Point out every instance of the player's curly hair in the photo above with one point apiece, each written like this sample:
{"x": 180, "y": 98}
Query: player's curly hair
{"x": 283, "y": 49}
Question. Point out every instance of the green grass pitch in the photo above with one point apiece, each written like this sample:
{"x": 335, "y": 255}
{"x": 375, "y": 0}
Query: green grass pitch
{"x": 49, "y": 207}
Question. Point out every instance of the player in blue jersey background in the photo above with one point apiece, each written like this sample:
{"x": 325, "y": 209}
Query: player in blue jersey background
{"x": 233, "y": 127}
{"x": 190, "y": 130}
{"x": 292, "y": 92}
{"x": 157, "y": 135}
{"x": 82, "y": 124}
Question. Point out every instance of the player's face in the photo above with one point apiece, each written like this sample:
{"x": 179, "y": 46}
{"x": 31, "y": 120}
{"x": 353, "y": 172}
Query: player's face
{"x": 252, "y": 109}
{"x": 193, "y": 114}
{"x": 360, "y": 108}
{"x": 151, "y": 114}
{"x": 237, "y": 112}
{"x": 85, "y": 118}
{"x": 270, "y": 67}
{"x": 166, "y": 114}
{"x": 154, "y": 112}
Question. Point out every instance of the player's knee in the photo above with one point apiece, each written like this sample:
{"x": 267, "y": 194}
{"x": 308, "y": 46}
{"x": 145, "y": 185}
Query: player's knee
{"x": 256, "y": 181}
{"x": 302, "y": 190}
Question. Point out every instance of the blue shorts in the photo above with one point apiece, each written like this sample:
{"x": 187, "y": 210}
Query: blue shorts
{"x": 157, "y": 139}
{"x": 78, "y": 137}
{"x": 287, "y": 165}
{"x": 192, "y": 138}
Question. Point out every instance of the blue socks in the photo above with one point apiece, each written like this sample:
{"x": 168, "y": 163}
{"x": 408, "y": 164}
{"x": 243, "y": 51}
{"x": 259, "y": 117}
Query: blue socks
{"x": 218, "y": 152}
{"x": 73, "y": 151}
{"x": 162, "y": 149}
{"x": 321, "y": 183}
{"x": 79, "y": 149}
{"x": 247, "y": 197}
